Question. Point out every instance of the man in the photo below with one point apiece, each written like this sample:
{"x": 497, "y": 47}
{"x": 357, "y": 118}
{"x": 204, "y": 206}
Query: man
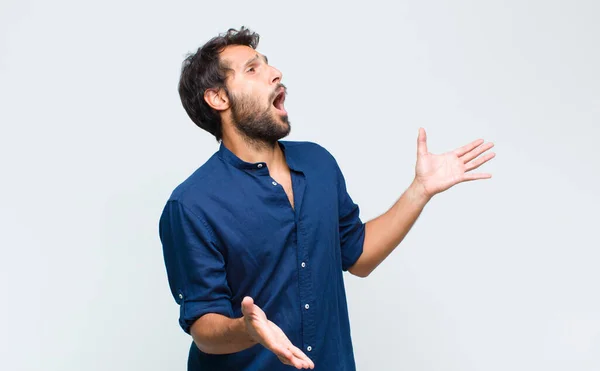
{"x": 256, "y": 240}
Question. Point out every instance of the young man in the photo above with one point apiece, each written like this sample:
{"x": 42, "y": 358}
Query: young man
{"x": 256, "y": 240}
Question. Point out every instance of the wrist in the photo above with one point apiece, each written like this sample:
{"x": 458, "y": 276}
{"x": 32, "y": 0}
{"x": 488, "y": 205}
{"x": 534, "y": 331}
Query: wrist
{"x": 245, "y": 328}
{"x": 418, "y": 193}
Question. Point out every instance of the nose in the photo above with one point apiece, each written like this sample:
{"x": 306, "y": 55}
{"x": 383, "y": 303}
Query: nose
{"x": 276, "y": 76}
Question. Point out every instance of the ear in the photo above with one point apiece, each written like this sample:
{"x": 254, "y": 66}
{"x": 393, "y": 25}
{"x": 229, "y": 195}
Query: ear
{"x": 217, "y": 99}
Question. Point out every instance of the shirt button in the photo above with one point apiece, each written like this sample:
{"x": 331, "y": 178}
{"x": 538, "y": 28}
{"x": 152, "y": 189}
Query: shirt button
{"x": 307, "y": 306}
{"x": 309, "y": 348}
{"x": 259, "y": 165}
{"x": 180, "y": 296}
{"x": 303, "y": 264}
{"x": 274, "y": 183}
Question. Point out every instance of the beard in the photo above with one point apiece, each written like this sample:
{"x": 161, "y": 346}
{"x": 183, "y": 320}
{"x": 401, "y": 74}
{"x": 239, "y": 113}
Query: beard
{"x": 260, "y": 127}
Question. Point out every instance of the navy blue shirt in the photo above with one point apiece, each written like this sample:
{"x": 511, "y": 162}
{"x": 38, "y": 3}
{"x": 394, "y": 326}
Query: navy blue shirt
{"x": 229, "y": 231}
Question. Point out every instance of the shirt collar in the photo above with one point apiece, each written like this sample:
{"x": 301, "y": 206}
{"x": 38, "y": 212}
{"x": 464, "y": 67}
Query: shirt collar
{"x": 230, "y": 158}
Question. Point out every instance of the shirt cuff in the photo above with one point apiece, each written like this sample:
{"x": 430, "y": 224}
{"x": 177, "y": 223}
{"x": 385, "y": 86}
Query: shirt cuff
{"x": 190, "y": 311}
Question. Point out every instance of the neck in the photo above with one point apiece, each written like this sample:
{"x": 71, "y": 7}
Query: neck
{"x": 255, "y": 151}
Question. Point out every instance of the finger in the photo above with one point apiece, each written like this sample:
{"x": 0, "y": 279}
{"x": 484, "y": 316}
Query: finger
{"x": 293, "y": 356}
{"x": 300, "y": 354}
{"x": 476, "y": 152}
{"x": 247, "y": 306}
{"x": 298, "y": 364}
{"x": 422, "y": 142}
{"x": 480, "y": 161}
{"x": 468, "y": 177}
{"x": 286, "y": 356}
{"x": 468, "y": 147}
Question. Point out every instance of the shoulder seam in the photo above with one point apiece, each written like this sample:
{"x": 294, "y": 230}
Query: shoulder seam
{"x": 204, "y": 223}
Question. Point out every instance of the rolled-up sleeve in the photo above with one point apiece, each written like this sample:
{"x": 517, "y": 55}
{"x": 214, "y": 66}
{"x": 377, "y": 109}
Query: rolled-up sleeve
{"x": 194, "y": 263}
{"x": 352, "y": 229}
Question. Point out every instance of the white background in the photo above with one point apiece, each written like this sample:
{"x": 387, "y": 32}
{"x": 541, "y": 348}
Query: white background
{"x": 498, "y": 274}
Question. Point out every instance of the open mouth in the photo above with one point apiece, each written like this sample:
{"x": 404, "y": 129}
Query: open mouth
{"x": 278, "y": 102}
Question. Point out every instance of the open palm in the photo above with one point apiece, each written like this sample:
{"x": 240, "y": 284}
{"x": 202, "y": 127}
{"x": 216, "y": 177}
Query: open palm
{"x": 437, "y": 173}
{"x": 272, "y": 337}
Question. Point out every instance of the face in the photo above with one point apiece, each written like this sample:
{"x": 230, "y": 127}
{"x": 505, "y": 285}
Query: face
{"x": 256, "y": 95}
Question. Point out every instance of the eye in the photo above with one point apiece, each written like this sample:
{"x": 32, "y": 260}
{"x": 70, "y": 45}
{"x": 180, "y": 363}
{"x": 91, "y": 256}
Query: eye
{"x": 251, "y": 69}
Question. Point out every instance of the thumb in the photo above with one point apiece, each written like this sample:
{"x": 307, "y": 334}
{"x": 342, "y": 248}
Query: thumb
{"x": 422, "y": 142}
{"x": 247, "y": 306}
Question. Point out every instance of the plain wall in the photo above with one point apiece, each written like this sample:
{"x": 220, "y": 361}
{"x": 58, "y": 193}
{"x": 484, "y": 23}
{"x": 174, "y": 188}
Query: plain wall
{"x": 499, "y": 274}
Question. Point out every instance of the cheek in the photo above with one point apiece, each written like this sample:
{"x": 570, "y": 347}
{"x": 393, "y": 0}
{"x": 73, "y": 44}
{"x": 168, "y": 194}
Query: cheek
{"x": 254, "y": 93}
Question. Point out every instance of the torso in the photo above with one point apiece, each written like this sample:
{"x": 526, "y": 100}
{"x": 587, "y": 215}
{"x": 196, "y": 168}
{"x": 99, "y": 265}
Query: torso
{"x": 257, "y": 247}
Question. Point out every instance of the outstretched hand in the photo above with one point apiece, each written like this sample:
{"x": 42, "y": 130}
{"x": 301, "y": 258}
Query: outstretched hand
{"x": 272, "y": 337}
{"x": 436, "y": 173}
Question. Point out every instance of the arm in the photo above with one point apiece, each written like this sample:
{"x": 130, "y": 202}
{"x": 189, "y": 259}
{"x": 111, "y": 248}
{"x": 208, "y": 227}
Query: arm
{"x": 215, "y": 333}
{"x": 198, "y": 282}
{"x": 384, "y": 233}
{"x": 433, "y": 174}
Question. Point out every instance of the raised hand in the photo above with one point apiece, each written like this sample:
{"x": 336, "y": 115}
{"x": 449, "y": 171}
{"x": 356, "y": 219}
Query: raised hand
{"x": 436, "y": 173}
{"x": 272, "y": 337}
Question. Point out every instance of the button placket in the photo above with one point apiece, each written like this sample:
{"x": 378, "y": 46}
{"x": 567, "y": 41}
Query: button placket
{"x": 305, "y": 295}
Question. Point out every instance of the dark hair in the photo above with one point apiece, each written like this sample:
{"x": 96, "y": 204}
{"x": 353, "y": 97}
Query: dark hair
{"x": 203, "y": 70}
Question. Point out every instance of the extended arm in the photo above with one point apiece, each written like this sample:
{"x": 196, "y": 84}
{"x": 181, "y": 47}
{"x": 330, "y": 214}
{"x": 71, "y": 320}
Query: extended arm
{"x": 217, "y": 334}
{"x": 384, "y": 233}
{"x": 433, "y": 174}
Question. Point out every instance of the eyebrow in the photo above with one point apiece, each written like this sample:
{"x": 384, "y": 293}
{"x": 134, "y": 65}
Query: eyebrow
{"x": 255, "y": 58}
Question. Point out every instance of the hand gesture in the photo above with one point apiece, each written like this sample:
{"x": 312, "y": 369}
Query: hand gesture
{"x": 437, "y": 173}
{"x": 272, "y": 337}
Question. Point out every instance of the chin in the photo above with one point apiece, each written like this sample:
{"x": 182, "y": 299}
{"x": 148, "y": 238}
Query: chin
{"x": 286, "y": 123}
{"x": 281, "y": 116}
{"x": 285, "y": 126}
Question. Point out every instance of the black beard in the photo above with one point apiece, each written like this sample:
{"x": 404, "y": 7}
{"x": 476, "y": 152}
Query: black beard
{"x": 258, "y": 128}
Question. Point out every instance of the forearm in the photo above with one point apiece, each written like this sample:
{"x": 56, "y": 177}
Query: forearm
{"x": 217, "y": 334}
{"x": 384, "y": 233}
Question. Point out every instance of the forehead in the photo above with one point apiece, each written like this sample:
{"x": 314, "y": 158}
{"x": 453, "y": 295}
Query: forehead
{"x": 236, "y": 56}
